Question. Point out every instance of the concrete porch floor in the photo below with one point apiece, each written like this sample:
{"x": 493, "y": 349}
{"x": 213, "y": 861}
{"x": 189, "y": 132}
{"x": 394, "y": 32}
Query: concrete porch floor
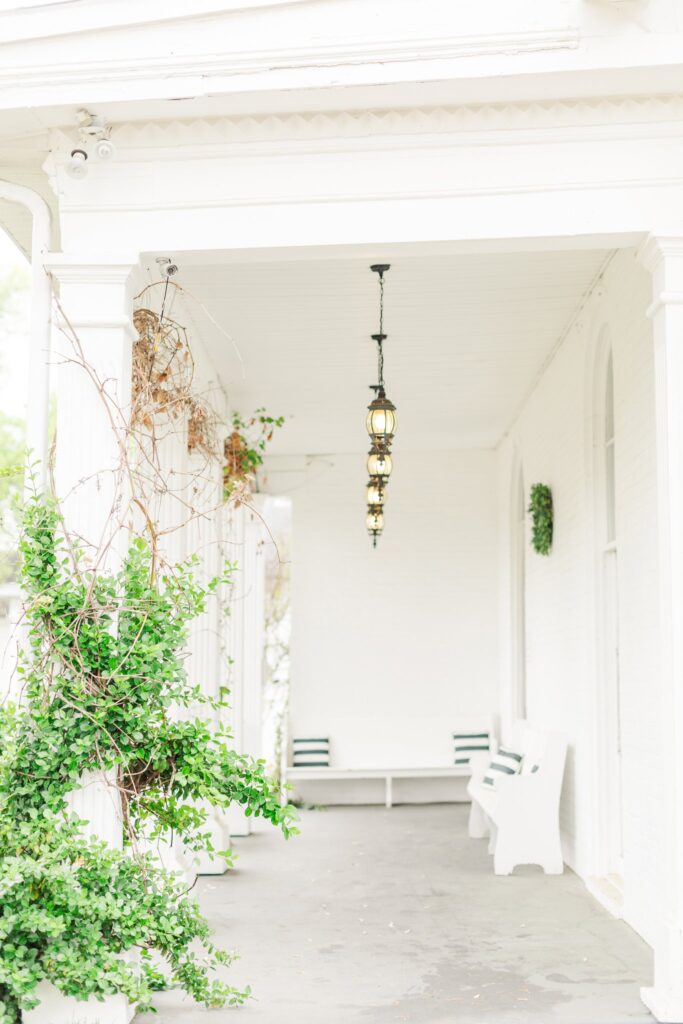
{"x": 376, "y": 916}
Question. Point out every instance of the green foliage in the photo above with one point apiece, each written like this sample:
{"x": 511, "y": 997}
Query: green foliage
{"x": 105, "y": 689}
{"x": 541, "y": 511}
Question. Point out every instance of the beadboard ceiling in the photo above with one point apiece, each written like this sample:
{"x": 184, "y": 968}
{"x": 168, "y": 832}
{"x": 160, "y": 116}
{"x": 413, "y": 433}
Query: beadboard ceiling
{"x": 468, "y": 337}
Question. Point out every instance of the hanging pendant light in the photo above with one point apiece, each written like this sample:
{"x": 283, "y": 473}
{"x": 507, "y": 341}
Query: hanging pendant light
{"x": 380, "y": 423}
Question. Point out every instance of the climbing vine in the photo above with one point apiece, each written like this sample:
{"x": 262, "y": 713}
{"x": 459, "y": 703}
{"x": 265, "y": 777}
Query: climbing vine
{"x": 102, "y": 670}
{"x": 105, "y": 693}
{"x": 541, "y": 512}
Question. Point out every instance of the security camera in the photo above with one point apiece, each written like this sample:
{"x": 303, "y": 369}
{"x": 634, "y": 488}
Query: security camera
{"x": 77, "y": 166}
{"x": 166, "y": 266}
{"x": 105, "y": 149}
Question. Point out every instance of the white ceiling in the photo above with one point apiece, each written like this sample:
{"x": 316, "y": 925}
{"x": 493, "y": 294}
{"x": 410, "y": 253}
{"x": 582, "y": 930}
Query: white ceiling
{"x": 468, "y": 337}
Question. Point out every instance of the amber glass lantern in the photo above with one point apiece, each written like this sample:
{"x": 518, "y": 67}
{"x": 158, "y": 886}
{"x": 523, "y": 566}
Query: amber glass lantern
{"x": 381, "y": 420}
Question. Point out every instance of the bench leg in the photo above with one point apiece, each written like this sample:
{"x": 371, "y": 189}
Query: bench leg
{"x": 478, "y": 827}
{"x": 493, "y": 837}
{"x": 512, "y": 848}
{"x": 388, "y": 794}
{"x": 502, "y": 865}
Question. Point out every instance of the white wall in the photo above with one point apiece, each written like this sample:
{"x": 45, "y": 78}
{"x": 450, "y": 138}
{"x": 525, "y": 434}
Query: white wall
{"x": 391, "y": 647}
{"x": 553, "y": 440}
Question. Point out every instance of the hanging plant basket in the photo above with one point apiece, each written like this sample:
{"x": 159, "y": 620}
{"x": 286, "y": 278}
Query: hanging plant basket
{"x": 163, "y": 381}
{"x": 541, "y": 512}
{"x": 244, "y": 449}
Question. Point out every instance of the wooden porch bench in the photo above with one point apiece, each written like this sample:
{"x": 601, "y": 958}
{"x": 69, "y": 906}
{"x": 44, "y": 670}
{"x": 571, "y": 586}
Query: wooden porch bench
{"x": 388, "y": 774}
{"x": 520, "y": 813}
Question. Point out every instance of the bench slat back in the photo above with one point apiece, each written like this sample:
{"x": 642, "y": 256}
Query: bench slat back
{"x": 545, "y": 748}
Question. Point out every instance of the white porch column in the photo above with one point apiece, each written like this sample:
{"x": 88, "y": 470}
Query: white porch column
{"x": 254, "y": 634}
{"x": 246, "y": 640}
{"x": 663, "y": 256}
{"x": 203, "y": 538}
{"x": 96, "y": 299}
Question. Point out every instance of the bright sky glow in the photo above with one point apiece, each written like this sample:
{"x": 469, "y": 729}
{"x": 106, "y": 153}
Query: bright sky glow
{"x": 14, "y": 332}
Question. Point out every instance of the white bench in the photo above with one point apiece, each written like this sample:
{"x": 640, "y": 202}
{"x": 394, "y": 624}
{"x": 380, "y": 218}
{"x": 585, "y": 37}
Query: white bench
{"x": 521, "y": 812}
{"x": 387, "y": 774}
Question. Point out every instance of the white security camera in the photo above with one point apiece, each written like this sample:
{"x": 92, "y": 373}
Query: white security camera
{"x": 105, "y": 149}
{"x": 77, "y": 166}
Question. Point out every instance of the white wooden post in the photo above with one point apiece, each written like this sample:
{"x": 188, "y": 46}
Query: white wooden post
{"x": 663, "y": 256}
{"x": 96, "y": 297}
{"x": 254, "y": 634}
{"x": 203, "y": 538}
{"x": 246, "y": 636}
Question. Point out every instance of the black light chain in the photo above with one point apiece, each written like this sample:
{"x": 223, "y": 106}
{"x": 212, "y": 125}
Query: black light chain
{"x": 380, "y": 351}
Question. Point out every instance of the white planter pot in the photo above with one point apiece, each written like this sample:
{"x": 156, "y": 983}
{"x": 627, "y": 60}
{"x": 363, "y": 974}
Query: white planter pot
{"x": 56, "y": 1008}
{"x": 97, "y": 801}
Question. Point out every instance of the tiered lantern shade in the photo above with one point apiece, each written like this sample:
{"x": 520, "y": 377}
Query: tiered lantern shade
{"x": 374, "y": 520}
{"x": 375, "y": 493}
{"x": 380, "y": 465}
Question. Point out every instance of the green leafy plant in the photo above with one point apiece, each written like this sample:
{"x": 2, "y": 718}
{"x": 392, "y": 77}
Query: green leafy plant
{"x": 105, "y": 690}
{"x": 245, "y": 447}
{"x": 541, "y": 512}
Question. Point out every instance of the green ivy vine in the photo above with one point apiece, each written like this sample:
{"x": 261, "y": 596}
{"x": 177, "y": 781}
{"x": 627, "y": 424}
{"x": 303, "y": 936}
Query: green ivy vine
{"x": 541, "y": 511}
{"x": 105, "y": 689}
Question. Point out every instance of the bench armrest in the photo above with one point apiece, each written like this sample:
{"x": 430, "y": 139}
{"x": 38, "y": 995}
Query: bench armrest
{"x": 478, "y": 764}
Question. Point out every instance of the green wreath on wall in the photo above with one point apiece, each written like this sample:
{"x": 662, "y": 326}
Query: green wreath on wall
{"x": 541, "y": 512}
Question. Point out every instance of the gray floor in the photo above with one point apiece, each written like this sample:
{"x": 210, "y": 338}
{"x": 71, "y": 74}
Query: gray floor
{"x": 375, "y": 916}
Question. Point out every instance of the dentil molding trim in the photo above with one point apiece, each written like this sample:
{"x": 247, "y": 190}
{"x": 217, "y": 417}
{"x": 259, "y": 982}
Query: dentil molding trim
{"x": 628, "y": 111}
